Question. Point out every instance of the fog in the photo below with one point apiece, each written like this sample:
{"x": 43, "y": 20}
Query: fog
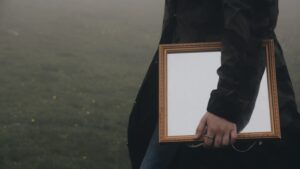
{"x": 70, "y": 70}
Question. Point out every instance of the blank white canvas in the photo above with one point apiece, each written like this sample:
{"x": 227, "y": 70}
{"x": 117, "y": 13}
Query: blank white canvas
{"x": 190, "y": 79}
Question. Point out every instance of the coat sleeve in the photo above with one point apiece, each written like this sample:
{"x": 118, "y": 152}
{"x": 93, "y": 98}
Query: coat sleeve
{"x": 242, "y": 64}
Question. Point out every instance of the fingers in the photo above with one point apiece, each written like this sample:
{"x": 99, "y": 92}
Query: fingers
{"x": 213, "y": 138}
{"x": 226, "y": 139}
{"x": 208, "y": 139}
{"x": 233, "y": 136}
{"x": 201, "y": 128}
{"x": 218, "y": 140}
{"x": 216, "y": 131}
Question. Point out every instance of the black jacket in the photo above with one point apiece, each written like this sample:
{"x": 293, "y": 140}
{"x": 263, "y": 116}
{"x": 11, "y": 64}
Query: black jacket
{"x": 240, "y": 25}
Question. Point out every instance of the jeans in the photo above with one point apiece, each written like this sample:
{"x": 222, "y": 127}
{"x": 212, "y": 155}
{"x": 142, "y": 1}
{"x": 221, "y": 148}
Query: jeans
{"x": 158, "y": 156}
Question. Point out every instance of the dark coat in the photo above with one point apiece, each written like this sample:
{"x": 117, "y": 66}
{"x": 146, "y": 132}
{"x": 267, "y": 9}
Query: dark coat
{"x": 240, "y": 25}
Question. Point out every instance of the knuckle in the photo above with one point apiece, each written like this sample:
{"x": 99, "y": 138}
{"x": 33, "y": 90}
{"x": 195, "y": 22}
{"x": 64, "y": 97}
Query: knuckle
{"x": 234, "y": 136}
{"x": 202, "y": 120}
{"x": 234, "y": 126}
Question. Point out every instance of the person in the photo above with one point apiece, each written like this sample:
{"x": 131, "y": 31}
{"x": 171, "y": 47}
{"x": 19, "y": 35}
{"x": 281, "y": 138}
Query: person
{"x": 241, "y": 26}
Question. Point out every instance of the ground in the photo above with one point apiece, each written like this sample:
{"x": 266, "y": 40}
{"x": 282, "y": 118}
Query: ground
{"x": 69, "y": 73}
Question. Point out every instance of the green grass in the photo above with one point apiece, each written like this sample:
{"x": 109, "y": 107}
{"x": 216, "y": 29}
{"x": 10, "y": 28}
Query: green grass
{"x": 69, "y": 72}
{"x": 68, "y": 81}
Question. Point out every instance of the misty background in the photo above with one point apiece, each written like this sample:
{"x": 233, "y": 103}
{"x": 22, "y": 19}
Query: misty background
{"x": 70, "y": 71}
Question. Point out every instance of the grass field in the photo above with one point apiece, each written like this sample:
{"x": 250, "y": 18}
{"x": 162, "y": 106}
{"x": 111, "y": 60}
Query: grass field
{"x": 69, "y": 72}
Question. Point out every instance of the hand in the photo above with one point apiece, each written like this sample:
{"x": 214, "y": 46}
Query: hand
{"x": 216, "y": 131}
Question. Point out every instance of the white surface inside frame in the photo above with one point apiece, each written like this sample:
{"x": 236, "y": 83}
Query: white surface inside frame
{"x": 190, "y": 79}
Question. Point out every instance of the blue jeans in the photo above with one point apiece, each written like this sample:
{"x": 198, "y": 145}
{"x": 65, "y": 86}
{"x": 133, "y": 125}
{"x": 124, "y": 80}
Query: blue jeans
{"x": 158, "y": 156}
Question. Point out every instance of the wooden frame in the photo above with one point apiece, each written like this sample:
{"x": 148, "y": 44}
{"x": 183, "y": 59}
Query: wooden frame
{"x": 271, "y": 88}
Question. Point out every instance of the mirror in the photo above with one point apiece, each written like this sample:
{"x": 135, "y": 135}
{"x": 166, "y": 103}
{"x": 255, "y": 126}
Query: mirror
{"x": 187, "y": 76}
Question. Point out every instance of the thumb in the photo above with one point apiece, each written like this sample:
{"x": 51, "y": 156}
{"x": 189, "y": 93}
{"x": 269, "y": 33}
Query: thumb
{"x": 201, "y": 127}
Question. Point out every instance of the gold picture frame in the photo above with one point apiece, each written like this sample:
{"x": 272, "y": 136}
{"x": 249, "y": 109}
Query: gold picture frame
{"x": 168, "y": 72}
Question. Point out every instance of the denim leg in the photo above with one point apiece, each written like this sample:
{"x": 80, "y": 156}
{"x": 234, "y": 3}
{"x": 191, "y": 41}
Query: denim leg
{"x": 158, "y": 156}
